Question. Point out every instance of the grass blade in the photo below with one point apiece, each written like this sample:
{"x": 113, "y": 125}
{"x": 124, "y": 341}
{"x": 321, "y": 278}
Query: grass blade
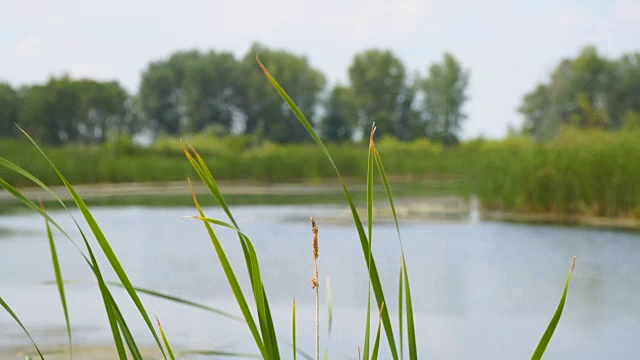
{"x": 365, "y": 353}
{"x": 219, "y": 223}
{"x": 371, "y": 265}
{"x": 108, "y": 302}
{"x": 59, "y": 281}
{"x": 411, "y": 332}
{"x": 546, "y": 337}
{"x": 400, "y": 314}
{"x": 293, "y": 329}
{"x": 126, "y": 333}
{"x": 17, "y": 320}
{"x": 181, "y": 301}
{"x": 264, "y": 313}
{"x": 376, "y": 345}
{"x": 164, "y": 339}
{"x": 233, "y": 283}
{"x": 104, "y": 245}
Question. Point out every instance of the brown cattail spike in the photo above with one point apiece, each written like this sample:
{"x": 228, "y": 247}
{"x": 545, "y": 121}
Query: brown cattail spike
{"x": 314, "y": 230}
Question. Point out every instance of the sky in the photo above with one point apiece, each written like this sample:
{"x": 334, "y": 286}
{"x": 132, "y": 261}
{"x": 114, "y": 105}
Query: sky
{"x": 509, "y": 46}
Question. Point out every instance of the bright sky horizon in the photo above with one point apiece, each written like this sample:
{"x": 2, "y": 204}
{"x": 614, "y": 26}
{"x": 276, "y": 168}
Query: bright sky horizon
{"x": 509, "y": 47}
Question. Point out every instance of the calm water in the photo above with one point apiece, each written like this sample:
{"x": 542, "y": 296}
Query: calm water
{"x": 481, "y": 290}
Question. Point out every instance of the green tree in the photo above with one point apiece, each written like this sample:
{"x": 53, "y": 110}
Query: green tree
{"x": 9, "y": 106}
{"x": 265, "y": 114}
{"x": 210, "y": 88}
{"x": 587, "y": 91}
{"x": 535, "y": 109}
{"x": 339, "y": 121}
{"x": 409, "y": 126}
{"x": 444, "y": 92}
{"x": 49, "y": 112}
{"x": 162, "y": 94}
{"x": 65, "y": 110}
{"x": 102, "y": 110}
{"x": 191, "y": 91}
{"x": 378, "y": 82}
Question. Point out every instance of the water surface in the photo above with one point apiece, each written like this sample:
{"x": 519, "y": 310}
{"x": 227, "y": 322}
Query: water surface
{"x": 481, "y": 290}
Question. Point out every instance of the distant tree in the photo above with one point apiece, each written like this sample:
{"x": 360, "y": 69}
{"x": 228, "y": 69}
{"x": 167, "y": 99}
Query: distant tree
{"x": 65, "y": 110}
{"x": 210, "y": 89}
{"x": 340, "y": 119}
{"x": 444, "y": 92}
{"x": 9, "y": 107}
{"x": 162, "y": 95}
{"x": 378, "y": 82}
{"x": 588, "y": 91}
{"x": 535, "y": 108}
{"x": 409, "y": 126}
{"x": 102, "y": 109}
{"x": 624, "y": 89}
{"x": 265, "y": 113}
{"x": 49, "y": 112}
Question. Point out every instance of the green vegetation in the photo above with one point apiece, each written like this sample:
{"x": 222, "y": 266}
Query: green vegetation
{"x": 592, "y": 173}
{"x": 589, "y": 91}
{"x": 230, "y": 157}
{"x": 213, "y": 91}
{"x": 257, "y": 318}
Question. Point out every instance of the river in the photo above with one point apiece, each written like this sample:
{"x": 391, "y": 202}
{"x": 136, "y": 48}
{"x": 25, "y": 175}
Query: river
{"x": 481, "y": 290}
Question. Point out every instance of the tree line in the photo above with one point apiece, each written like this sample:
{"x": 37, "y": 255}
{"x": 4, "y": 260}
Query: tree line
{"x": 214, "y": 91}
{"x": 589, "y": 91}
{"x": 194, "y": 91}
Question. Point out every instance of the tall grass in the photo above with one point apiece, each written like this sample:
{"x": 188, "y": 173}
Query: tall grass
{"x": 581, "y": 172}
{"x": 253, "y": 304}
{"x": 267, "y": 162}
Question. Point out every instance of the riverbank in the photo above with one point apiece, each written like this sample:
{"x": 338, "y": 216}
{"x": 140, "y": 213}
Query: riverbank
{"x": 601, "y": 222}
{"x": 420, "y": 200}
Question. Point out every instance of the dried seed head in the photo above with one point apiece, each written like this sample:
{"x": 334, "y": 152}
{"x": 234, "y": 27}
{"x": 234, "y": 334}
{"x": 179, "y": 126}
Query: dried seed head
{"x": 314, "y": 230}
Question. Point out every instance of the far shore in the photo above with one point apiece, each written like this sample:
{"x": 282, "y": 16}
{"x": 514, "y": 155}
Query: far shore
{"x": 412, "y": 203}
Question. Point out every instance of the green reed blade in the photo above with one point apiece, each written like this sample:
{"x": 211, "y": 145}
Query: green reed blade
{"x": 107, "y": 300}
{"x": 164, "y": 338}
{"x": 411, "y": 333}
{"x": 258, "y": 291}
{"x": 17, "y": 320}
{"x": 59, "y": 282}
{"x": 365, "y": 353}
{"x": 233, "y": 283}
{"x": 400, "y": 314}
{"x": 293, "y": 329}
{"x": 181, "y": 301}
{"x": 411, "y": 330}
{"x": 376, "y": 344}
{"x": 264, "y": 313}
{"x": 104, "y": 245}
{"x": 126, "y": 333}
{"x": 551, "y": 328}
{"x": 219, "y": 223}
{"x": 364, "y": 243}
